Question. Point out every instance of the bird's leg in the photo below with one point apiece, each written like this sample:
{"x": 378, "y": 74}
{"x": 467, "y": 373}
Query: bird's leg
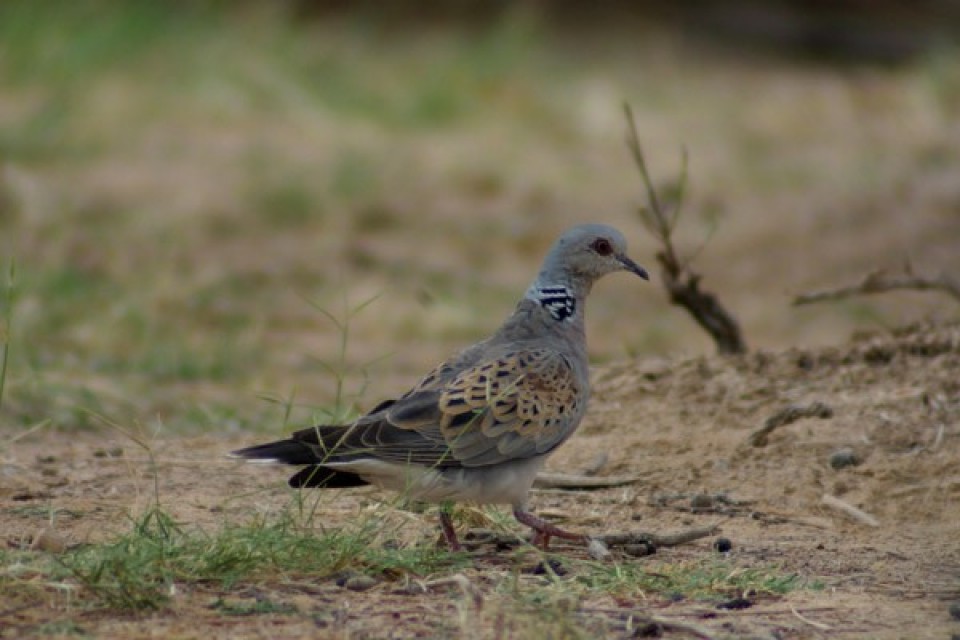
{"x": 449, "y": 533}
{"x": 543, "y": 530}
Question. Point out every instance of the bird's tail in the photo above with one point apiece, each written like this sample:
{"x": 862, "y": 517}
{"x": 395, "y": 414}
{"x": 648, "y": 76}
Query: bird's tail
{"x": 301, "y": 449}
{"x": 288, "y": 451}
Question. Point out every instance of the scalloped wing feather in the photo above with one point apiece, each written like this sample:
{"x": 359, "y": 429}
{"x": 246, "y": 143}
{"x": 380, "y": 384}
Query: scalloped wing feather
{"x": 517, "y": 405}
{"x": 520, "y": 404}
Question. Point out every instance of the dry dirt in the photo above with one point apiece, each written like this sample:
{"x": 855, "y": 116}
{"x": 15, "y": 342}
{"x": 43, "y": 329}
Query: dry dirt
{"x": 682, "y": 426}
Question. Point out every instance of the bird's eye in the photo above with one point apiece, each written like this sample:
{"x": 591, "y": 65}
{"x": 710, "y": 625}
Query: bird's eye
{"x": 602, "y": 246}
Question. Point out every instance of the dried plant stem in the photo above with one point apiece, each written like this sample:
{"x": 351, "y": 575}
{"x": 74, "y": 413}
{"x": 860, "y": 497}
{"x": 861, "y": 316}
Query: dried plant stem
{"x": 681, "y": 282}
{"x": 881, "y": 281}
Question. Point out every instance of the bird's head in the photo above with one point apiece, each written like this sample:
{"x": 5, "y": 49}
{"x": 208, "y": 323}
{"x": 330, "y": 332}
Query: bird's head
{"x": 588, "y": 252}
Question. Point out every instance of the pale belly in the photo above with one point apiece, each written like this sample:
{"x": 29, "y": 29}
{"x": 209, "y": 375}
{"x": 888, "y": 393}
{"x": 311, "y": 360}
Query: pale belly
{"x": 506, "y": 483}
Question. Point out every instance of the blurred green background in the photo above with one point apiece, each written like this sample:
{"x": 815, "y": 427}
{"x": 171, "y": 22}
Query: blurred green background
{"x": 187, "y": 189}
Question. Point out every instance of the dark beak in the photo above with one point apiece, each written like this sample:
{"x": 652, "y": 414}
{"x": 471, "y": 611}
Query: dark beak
{"x": 633, "y": 267}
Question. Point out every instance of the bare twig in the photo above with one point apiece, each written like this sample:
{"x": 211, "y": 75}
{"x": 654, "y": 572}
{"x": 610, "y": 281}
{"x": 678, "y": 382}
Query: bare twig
{"x": 680, "y": 627}
{"x": 881, "y": 281}
{"x": 681, "y": 282}
{"x": 660, "y": 540}
{"x": 785, "y": 416}
{"x": 857, "y": 514}
{"x": 479, "y": 536}
{"x": 546, "y": 480}
{"x": 665, "y": 624}
{"x": 816, "y": 625}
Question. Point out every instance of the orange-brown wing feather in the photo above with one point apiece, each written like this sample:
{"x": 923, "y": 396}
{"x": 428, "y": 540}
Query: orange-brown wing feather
{"x": 517, "y": 405}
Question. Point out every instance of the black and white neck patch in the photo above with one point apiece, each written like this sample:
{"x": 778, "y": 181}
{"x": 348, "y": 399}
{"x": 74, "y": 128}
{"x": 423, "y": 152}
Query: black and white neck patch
{"x": 558, "y": 301}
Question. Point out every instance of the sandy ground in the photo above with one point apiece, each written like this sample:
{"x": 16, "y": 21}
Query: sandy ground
{"x": 683, "y": 426}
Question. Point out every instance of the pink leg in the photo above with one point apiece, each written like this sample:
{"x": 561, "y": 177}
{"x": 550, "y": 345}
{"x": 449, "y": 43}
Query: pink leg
{"x": 543, "y": 530}
{"x": 449, "y": 533}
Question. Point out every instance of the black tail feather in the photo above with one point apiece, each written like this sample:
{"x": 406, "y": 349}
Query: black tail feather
{"x": 325, "y": 478}
{"x": 298, "y": 451}
{"x": 286, "y": 451}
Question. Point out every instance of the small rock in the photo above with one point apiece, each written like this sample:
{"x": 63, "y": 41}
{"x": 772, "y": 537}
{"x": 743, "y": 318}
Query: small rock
{"x": 648, "y": 630}
{"x": 842, "y": 458}
{"x": 340, "y": 578}
{"x": 735, "y": 604}
{"x": 598, "y": 550}
{"x": 722, "y": 545}
{"x": 48, "y": 540}
{"x": 955, "y": 610}
{"x": 640, "y": 549}
{"x": 360, "y": 583}
{"x": 701, "y": 501}
{"x": 541, "y": 568}
{"x": 112, "y": 452}
{"x": 411, "y": 589}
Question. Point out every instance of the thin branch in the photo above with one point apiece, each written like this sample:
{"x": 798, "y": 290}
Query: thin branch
{"x": 881, "y": 281}
{"x": 660, "y": 540}
{"x": 845, "y": 507}
{"x": 481, "y": 536}
{"x": 681, "y": 282}
{"x": 816, "y": 625}
{"x": 546, "y": 480}
{"x": 658, "y": 223}
{"x": 785, "y": 416}
{"x": 665, "y": 624}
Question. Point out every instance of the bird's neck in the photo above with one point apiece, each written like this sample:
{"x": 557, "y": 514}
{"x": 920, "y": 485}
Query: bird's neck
{"x": 561, "y": 299}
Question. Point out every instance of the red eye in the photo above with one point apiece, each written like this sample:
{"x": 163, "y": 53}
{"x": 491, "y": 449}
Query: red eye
{"x": 602, "y": 246}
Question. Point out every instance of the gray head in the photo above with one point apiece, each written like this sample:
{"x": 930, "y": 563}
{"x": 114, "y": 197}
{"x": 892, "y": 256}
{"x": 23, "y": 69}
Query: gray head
{"x": 583, "y": 254}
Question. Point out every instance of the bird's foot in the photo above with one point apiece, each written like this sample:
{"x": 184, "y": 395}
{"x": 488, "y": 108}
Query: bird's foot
{"x": 543, "y": 530}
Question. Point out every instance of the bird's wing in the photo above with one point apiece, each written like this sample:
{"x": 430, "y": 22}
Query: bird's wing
{"x": 519, "y": 404}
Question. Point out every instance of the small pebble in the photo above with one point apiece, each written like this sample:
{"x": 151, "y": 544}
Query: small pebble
{"x": 649, "y": 630}
{"x": 360, "y": 583}
{"x": 50, "y": 541}
{"x": 722, "y": 545}
{"x": 411, "y": 589}
{"x": 701, "y": 501}
{"x": 735, "y": 604}
{"x": 955, "y": 610}
{"x": 640, "y": 549}
{"x": 843, "y": 458}
{"x": 113, "y": 452}
{"x": 541, "y": 568}
{"x": 340, "y": 579}
{"x": 598, "y": 550}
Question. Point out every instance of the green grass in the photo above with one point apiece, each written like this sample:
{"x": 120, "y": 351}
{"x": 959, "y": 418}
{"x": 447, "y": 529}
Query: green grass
{"x": 142, "y": 568}
{"x": 704, "y": 578}
{"x": 259, "y": 606}
{"x": 139, "y": 569}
